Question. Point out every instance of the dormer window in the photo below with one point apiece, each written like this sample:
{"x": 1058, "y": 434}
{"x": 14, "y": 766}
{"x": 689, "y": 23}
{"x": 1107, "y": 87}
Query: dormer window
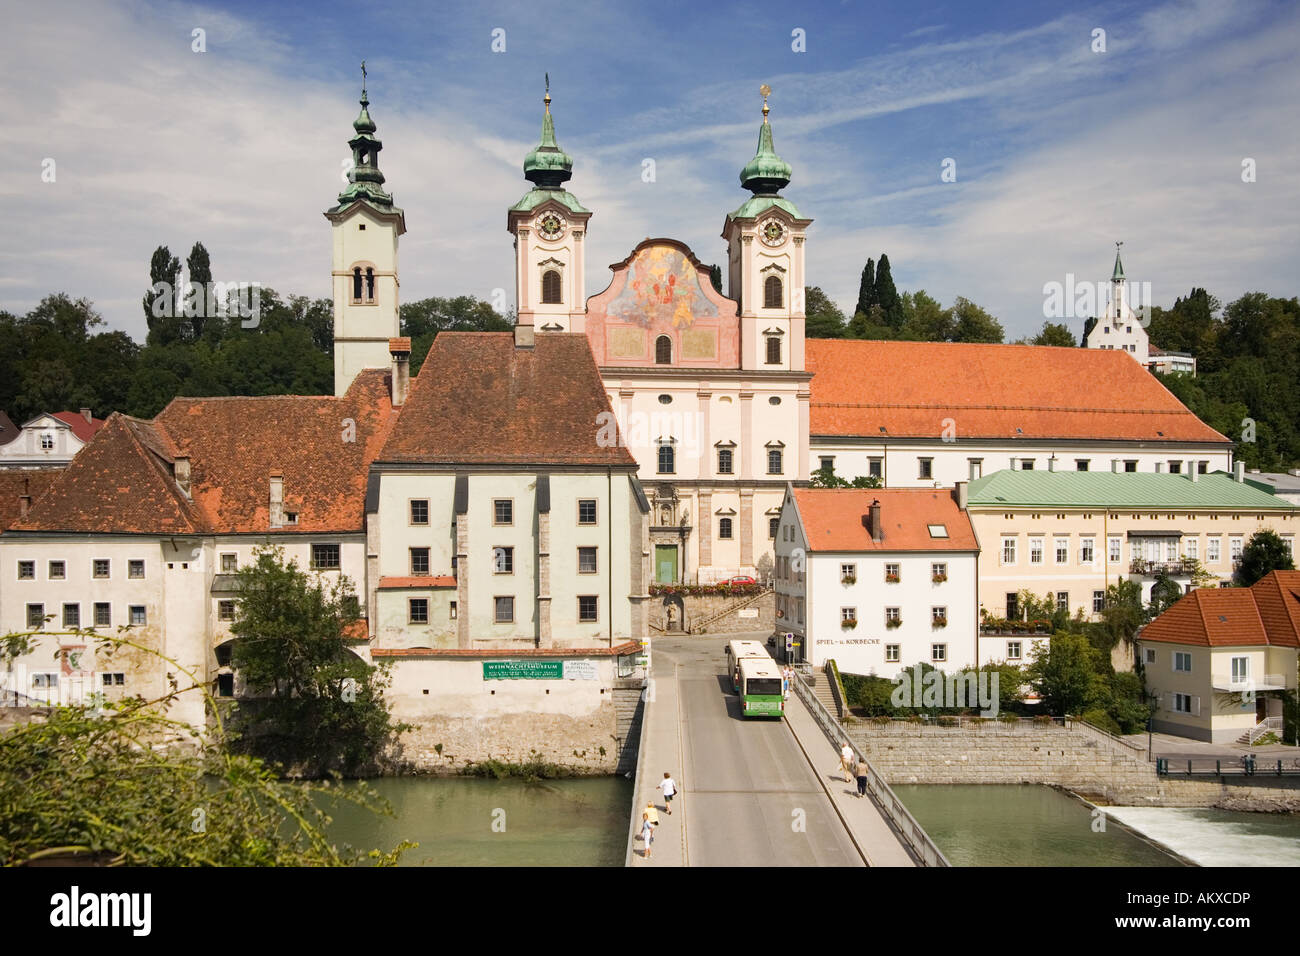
{"x": 551, "y": 287}
{"x": 663, "y": 350}
{"x": 773, "y": 293}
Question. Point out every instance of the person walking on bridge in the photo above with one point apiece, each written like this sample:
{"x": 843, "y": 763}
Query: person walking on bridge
{"x": 649, "y": 820}
{"x": 862, "y": 771}
{"x": 668, "y": 787}
{"x": 846, "y": 763}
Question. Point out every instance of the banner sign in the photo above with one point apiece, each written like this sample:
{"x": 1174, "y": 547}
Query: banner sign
{"x": 522, "y": 670}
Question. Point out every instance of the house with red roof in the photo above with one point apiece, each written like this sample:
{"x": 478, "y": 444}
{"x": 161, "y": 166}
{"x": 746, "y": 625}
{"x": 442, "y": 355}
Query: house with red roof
{"x": 1220, "y": 659}
{"x": 878, "y": 579}
{"x": 51, "y": 439}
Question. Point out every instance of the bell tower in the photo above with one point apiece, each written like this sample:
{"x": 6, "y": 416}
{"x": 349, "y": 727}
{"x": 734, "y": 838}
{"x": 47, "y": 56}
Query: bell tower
{"x": 765, "y": 261}
{"x": 366, "y": 226}
{"x": 550, "y": 228}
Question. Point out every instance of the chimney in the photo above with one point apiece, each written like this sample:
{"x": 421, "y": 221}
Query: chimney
{"x": 277, "y": 500}
{"x": 85, "y": 413}
{"x": 1160, "y": 467}
{"x": 1114, "y": 466}
{"x": 873, "y": 522}
{"x": 1239, "y": 471}
{"x": 400, "y": 350}
{"x": 181, "y": 471}
{"x": 1051, "y": 463}
{"x": 960, "y": 494}
{"x": 25, "y": 499}
{"x": 1193, "y": 472}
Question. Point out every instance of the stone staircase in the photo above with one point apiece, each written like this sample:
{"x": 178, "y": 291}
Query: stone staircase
{"x": 702, "y": 627}
{"x": 822, "y": 691}
{"x": 628, "y": 710}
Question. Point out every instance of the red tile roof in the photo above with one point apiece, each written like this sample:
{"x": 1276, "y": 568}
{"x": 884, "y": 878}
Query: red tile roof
{"x": 1266, "y": 613}
{"x": 833, "y": 519}
{"x": 427, "y": 581}
{"x": 85, "y": 430}
{"x": 122, "y": 481}
{"x": 991, "y": 391}
{"x": 18, "y": 482}
{"x": 480, "y": 399}
{"x": 8, "y": 430}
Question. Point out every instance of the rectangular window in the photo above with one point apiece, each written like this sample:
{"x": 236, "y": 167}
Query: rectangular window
{"x": 1171, "y": 549}
{"x": 1063, "y": 600}
{"x": 1087, "y": 551}
{"x": 1234, "y": 548}
{"x": 229, "y": 563}
{"x": 1240, "y": 669}
{"x": 1131, "y": 465}
{"x": 848, "y": 615}
{"x": 451, "y": 610}
{"x": 938, "y": 615}
{"x": 72, "y": 615}
{"x": 1008, "y": 550}
{"x": 1062, "y": 549}
{"x": 58, "y": 570}
{"x": 419, "y": 511}
{"x": 1113, "y": 546}
{"x": 225, "y": 611}
{"x": 586, "y": 608}
{"x": 1150, "y": 655}
{"x": 586, "y": 511}
{"x": 137, "y": 614}
{"x": 724, "y": 528}
{"x": 503, "y": 511}
{"x": 419, "y": 562}
{"x": 925, "y": 468}
{"x": 1081, "y": 464}
{"x": 1187, "y": 704}
{"x": 848, "y": 573}
{"x": 1182, "y": 662}
{"x": 893, "y": 614}
{"x": 1027, "y": 464}
{"x": 1013, "y": 650}
{"x": 938, "y": 653}
{"x": 135, "y": 569}
{"x": 1035, "y": 550}
{"x": 1212, "y": 552}
{"x": 100, "y": 567}
{"x": 1098, "y": 601}
{"x": 1288, "y": 542}
{"x": 504, "y": 610}
{"x": 417, "y": 610}
{"x": 103, "y": 614}
{"x": 893, "y": 653}
{"x": 772, "y": 525}
{"x": 891, "y": 574}
{"x": 325, "y": 557}
{"x": 26, "y": 570}
{"x": 826, "y": 463}
{"x": 976, "y": 468}
{"x": 47, "y": 442}
{"x": 939, "y": 572}
{"x": 724, "y": 461}
{"x": 586, "y": 560}
{"x": 773, "y": 350}
{"x": 35, "y": 616}
{"x": 667, "y": 460}
{"x": 1175, "y": 467}
{"x": 774, "y": 461}
{"x": 503, "y": 560}
{"x": 113, "y": 680}
{"x": 876, "y": 467}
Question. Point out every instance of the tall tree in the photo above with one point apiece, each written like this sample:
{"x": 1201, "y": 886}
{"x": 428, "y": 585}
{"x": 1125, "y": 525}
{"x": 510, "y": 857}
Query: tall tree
{"x": 715, "y": 276}
{"x": 924, "y": 319}
{"x": 823, "y": 318}
{"x": 1054, "y": 333}
{"x": 160, "y": 302}
{"x": 867, "y": 289}
{"x": 891, "y": 307}
{"x": 973, "y": 324}
{"x": 1263, "y": 553}
{"x": 200, "y": 269}
{"x": 1065, "y": 672}
{"x": 424, "y": 319}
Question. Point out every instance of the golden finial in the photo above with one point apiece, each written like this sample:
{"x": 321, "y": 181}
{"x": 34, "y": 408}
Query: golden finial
{"x": 547, "y": 99}
{"x": 766, "y": 91}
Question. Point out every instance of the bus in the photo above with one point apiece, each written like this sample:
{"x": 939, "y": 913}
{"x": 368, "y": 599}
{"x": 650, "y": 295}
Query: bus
{"x": 738, "y": 651}
{"x": 761, "y": 688}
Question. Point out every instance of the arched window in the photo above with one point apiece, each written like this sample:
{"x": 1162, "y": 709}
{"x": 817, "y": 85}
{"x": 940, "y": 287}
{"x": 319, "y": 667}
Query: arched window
{"x": 551, "y": 287}
{"x": 774, "y": 343}
{"x": 370, "y": 285}
{"x": 724, "y": 527}
{"x": 356, "y": 284}
{"x": 772, "y": 293}
{"x": 667, "y": 460}
{"x": 663, "y": 350}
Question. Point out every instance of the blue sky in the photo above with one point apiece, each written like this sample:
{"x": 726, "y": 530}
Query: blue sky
{"x": 1059, "y": 150}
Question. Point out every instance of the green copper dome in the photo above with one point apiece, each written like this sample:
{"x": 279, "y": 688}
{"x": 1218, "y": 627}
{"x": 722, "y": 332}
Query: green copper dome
{"x": 767, "y": 173}
{"x": 1118, "y": 272}
{"x": 365, "y": 180}
{"x": 547, "y": 166}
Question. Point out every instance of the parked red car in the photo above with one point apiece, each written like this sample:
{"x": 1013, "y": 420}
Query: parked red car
{"x": 741, "y": 579}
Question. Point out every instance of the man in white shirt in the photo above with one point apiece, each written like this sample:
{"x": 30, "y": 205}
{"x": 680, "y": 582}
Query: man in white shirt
{"x": 668, "y": 787}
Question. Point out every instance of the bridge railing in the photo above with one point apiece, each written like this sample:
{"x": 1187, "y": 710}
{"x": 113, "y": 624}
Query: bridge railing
{"x": 913, "y": 834}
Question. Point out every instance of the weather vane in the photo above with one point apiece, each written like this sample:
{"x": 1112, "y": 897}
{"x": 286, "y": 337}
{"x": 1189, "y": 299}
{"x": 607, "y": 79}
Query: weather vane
{"x": 547, "y": 99}
{"x": 363, "y": 77}
{"x": 766, "y": 91}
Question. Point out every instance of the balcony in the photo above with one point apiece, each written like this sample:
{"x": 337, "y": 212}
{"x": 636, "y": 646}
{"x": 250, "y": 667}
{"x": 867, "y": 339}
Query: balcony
{"x": 1241, "y": 684}
{"x": 1170, "y": 568}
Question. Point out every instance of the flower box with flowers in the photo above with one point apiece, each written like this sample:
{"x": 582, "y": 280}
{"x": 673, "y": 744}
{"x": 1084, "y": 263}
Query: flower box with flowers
{"x": 938, "y": 578}
{"x": 939, "y": 622}
{"x": 894, "y": 622}
{"x": 849, "y": 622}
{"x": 848, "y": 579}
{"x": 891, "y": 578}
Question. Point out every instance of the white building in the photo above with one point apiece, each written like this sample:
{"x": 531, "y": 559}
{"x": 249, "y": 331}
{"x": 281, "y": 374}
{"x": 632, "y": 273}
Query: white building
{"x": 878, "y": 579}
{"x": 49, "y": 440}
{"x": 1119, "y": 327}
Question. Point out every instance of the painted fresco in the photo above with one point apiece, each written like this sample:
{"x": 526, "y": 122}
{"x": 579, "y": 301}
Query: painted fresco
{"x": 663, "y": 288}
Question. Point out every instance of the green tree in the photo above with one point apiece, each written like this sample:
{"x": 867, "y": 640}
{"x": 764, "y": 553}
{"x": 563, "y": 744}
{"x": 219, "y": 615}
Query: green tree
{"x": 1121, "y": 615}
{"x": 924, "y": 319}
{"x": 867, "y": 289}
{"x": 972, "y": 324}
{"x": 715, "y": 276}
{"x": 1054, "y": 333}
{"x": 1064, "y": 671}
{"x": 424, "y": 319}
{"x": 199, "y": 266}
{"x": 1165, "y": 593}
{"x": 1264, "y": 552}
{"x": 160, "y": 302}
{"x": 823, "y": 318}
{"x": 316, "y": 706}
{"x": 891, "y": 307}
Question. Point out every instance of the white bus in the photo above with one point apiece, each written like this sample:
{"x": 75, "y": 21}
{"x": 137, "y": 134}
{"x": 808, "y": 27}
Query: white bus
{"x": 738, "y": 651}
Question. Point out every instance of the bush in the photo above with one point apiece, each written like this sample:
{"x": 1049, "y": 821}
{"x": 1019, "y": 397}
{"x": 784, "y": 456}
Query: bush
{"x": 1101, "y": 720}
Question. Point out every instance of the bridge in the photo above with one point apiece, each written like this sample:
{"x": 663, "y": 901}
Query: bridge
{"x": 755, "y": 792}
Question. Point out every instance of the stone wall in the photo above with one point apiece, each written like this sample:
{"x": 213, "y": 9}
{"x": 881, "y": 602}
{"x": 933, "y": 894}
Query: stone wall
{"x": 758, "y": 615}
{"x": 1076, "y": 758}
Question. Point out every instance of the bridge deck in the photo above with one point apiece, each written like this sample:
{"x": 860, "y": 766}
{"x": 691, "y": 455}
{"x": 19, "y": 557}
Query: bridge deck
{"x": 752, "y": 792}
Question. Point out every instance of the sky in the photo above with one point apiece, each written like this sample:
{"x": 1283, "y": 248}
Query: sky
{"x": 1060, "y": 149}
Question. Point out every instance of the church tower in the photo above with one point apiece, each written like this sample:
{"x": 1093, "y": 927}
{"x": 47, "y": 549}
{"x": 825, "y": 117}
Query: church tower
{"x": 366, "y": 227}
{"x": 765, "y": 260}
{"x": 549, "y": 226}
{"x": 1119, "y": 327}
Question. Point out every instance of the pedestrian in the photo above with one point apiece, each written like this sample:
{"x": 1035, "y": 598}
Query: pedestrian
{"x": 649, "y": 820}
{"x": 668, "y": 787}
{"x": 786, "y": 674}
{"x": 862, "y": 776}
{"x": 846, "y": 762}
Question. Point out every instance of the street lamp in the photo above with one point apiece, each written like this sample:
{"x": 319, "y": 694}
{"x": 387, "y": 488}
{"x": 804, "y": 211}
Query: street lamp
{"x": 1153, "y": 704}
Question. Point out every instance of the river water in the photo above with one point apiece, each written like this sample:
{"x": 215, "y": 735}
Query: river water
{"x": 471, "y": 822}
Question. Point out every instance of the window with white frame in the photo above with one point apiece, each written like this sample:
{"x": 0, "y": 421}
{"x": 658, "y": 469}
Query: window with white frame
{"x": 939, "y": 572}
{"x": 893, "y": 614}
{"x": 1240, "y": 669}
{"x": 1150, "y": 655}
{"x": 891, "y": 574}
{"x": 1113, "y": 546}
{"x": 1171, "y": 549}
{"x": 1192, "y": 548}
{"x": 225, "y": 611}
{"x": 848, "y": 615}
{"x": 1213, "y": 548}
{"x": 1182, "y": 662}
{"x": 1063, "y": 600}
{"x": 848, "y": 573}
{"x": 229, "y": 563}
{"x": 1087, "y": 551}
{"x": 503, "y": 560}
{"x": 1035, "y": 550}
{"x": 1013, "y": 650}
{"x": 1234, "y": 548}
{"x": 1062, "y": 549}
{"x": 938, "y": 653}
{"x": 1187, "y": 704}
{"x": 1288, "y": 542}
{"x": 893, "y": 653}
{"x": 1008, "y": 550}
{"x": 1098, "y": 601}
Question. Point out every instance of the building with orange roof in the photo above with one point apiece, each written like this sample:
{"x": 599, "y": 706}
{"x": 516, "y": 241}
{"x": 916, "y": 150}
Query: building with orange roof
{"x": 1220, "y": 660}
{"x": 49, "y": 440}
{"x": 878, "y": 579}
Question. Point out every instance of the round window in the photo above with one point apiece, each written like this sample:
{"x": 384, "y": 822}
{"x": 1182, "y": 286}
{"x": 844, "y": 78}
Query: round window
{"x": 665, "y": 399}
{"x": 774, "y": 400}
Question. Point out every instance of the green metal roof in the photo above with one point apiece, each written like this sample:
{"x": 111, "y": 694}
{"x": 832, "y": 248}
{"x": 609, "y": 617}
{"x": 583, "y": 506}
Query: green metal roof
{"x": 1126, "y": 490}
{"x": 1119, "y": 267}
{"x": 755, "y": 206}
{"x": 766, "y": 173}
{"x": 535, "y": 197}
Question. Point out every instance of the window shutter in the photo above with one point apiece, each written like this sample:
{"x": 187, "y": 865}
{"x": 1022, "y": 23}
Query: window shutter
{"x": 1196, "y": 706}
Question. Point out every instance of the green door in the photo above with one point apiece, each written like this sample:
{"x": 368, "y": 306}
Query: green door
{"x": 665, "y": 564}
